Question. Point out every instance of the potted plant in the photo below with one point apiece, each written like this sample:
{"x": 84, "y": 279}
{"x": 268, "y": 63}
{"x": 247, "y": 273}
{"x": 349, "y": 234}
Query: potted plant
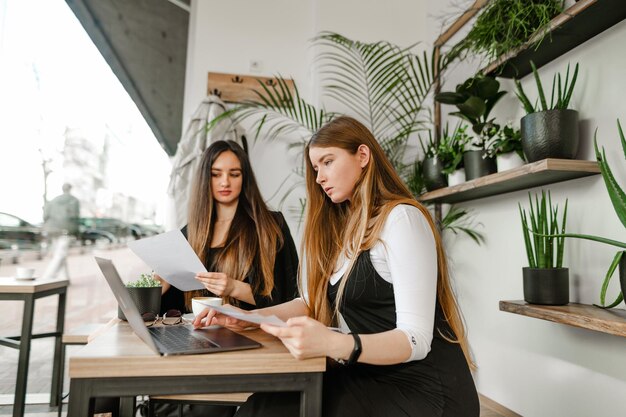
{"x": 507, "y": 148}
{"x": 618, "y": 199}
{"x": 432, "y": 165}
{"x": 443, "y": 158}
{"x": 145, "y": 293}
{"x": 545, "y": 279}
{"x": 451, "y": 149}
{"x": 550, "y": 131}
{"x": 475, "y": 99}
{"x": 505, "y": 25}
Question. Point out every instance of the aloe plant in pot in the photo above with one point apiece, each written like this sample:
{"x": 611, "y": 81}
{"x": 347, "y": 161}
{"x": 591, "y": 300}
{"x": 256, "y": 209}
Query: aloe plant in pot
{"x": 618, "y": 199}
{"x": 550, "y": 131}
{"x": 545, "y": 279}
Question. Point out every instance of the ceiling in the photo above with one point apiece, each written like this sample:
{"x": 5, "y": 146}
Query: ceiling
{"x": 145, "y": 43}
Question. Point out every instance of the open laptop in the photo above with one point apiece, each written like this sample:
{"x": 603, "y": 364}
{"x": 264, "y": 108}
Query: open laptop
{"x": 171, "y": 340}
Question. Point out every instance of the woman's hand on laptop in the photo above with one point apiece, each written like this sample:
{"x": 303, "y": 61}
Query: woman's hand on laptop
{"x": 209, "y": 317}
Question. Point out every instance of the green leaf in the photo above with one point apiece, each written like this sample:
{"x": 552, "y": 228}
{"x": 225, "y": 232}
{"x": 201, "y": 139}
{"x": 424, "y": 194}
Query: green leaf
{"x": 487, "y": 87}
{"x": 570, "y": 89}
{"x": 615, "y": 303}
{"x": 473, "y": 107}
{"x": 616, "y": 194}
{"x": 523, "y": 98}
{"x": 542, "y": 96}
{"x": 450, "y": 97}
{"x": 599, "y": 239}
{"x": 609, "y": 275}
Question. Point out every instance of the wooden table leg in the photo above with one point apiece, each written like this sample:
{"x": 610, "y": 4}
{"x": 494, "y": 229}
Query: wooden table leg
{"x": 311, "y": 397}
{"x": 80, "y": 403}
{"x": 127, "y": 406}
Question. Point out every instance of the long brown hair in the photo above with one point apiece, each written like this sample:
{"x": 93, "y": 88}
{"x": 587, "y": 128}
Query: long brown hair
{"x": 254, "y": 235}
{"x": 355, "y": 226}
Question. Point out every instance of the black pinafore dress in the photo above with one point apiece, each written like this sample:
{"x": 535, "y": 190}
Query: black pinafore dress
{"x": 440, "y": 385}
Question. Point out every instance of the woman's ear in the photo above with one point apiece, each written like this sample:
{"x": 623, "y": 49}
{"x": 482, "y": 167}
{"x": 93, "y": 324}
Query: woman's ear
{"x": 363, "y": 153}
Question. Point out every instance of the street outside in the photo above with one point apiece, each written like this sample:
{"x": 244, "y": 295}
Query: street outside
{"x": 89, "y": 301}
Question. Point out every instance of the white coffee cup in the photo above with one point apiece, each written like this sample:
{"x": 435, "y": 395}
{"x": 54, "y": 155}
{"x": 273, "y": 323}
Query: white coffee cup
{"x": 22, "y": 272}
{"x": 200, "y": 303}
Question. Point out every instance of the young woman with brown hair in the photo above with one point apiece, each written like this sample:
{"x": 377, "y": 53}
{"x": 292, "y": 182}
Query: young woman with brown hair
{"x": 247, "y": 249}
{"x": 375, "y": 267}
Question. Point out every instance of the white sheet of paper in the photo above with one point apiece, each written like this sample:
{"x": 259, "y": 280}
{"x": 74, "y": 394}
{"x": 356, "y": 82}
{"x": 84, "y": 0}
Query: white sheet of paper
{"x": 247, "y": 316}
{"x": 171, "y": 257}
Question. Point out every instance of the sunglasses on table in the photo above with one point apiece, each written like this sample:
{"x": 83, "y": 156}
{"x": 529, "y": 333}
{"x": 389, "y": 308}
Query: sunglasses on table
{"x": 170, "y": 318}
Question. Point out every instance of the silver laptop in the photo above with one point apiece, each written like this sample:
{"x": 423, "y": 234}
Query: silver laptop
{"x": 171, "y": 340}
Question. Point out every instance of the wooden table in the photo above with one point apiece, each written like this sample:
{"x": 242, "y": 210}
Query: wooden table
{"x": 29, "y": 291}
{"x": 119, "y": 364}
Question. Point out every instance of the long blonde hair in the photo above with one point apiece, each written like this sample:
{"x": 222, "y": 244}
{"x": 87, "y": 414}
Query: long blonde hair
{"x": 254, "y": 236}
{"x": 355, "y": 226}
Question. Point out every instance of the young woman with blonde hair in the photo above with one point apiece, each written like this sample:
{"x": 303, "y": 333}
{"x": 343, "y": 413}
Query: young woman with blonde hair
{"x": 375, "y": 267}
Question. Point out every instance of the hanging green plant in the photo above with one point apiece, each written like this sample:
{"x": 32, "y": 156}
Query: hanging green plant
{"x": 504, "y": 25}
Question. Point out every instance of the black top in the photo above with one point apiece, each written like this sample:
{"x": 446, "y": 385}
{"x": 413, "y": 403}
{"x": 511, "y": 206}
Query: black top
{"x": 442, "y": 379}
{"x": 285, "y": 275}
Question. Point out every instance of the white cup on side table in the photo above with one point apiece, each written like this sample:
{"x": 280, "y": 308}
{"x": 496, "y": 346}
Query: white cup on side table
{"x": 22, "y": 272}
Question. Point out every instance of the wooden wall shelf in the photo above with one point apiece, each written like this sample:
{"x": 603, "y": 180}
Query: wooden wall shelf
{"x": 612, "y": 321}
{"x": 237, "y": 88}
{"x": 577, "y": 24}
{"x": 546, "y": 171}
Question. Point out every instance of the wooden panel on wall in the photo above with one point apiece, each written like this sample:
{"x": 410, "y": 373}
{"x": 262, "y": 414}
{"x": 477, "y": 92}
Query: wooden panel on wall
{"x": 236, "y": 88}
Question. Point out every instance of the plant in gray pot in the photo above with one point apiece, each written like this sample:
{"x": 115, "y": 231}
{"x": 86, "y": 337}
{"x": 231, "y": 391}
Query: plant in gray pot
{"x": 145, "y": 293}
{"x": 550, "y": 131}
{"x": 475, "y": 99}
{"x": 432, "y": 165}
{"x": 545, "y": 279}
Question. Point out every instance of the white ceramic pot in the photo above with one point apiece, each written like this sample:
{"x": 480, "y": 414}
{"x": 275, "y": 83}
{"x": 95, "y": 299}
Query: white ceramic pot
{"x": 509, "y": 161}
{"x": 456, "y": 177}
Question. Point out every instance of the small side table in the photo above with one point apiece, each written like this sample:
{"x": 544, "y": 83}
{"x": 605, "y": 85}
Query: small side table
{"x": 29, "y": 291}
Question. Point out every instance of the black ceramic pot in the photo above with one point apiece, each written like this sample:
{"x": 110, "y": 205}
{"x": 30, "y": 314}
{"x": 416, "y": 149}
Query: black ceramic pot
{"x": 550, "y": 134}
{"x": 476, "y": 166}
{"x": 147, "y": 300}
{"x": 549, "y": 286}
{"x": 434, "y": 178}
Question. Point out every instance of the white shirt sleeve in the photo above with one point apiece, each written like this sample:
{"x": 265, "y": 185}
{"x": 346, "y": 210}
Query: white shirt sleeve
{"x": 407, "y": 258}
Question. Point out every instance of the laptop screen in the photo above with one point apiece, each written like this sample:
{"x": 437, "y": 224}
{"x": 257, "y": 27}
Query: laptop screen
{"x": 126, "y": 303}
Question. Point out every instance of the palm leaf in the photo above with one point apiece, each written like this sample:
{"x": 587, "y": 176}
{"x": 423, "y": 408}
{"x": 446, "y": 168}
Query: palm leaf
{"x": 459, "y": 220}
{"x": 362, "y": 76}
{"x": 385, "y": 85}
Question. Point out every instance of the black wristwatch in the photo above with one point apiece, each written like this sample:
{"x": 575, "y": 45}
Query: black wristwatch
{"x": 356, "y": 351}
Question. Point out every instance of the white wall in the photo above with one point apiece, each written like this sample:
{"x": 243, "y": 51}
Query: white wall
{"x": 225, "y": 36}
{"x": 535, "y": 368}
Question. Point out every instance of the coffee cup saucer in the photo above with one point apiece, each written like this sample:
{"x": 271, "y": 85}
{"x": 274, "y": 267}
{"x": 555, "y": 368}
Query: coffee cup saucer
{"x": 26, "y": 279}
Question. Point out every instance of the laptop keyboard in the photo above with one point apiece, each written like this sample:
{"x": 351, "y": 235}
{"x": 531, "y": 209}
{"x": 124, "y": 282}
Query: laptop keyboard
{"x": 179, "y": 339}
